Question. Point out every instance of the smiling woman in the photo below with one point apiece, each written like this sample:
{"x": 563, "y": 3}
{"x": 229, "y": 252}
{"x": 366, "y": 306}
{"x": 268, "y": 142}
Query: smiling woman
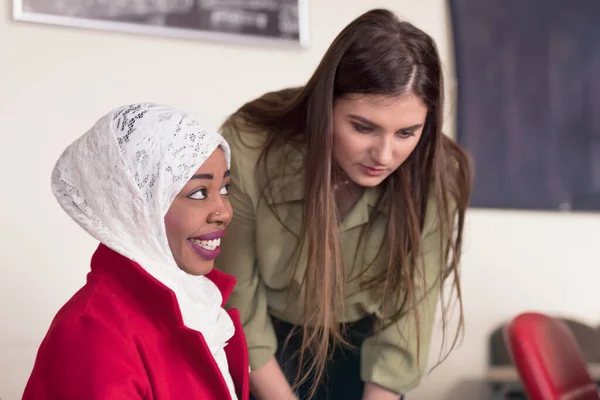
{"x": 197, "y": 218}
{"x": 150, "y": 183}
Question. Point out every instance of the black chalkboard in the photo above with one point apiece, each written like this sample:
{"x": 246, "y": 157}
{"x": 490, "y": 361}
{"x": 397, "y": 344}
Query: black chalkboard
{"x": 528, "y": 75}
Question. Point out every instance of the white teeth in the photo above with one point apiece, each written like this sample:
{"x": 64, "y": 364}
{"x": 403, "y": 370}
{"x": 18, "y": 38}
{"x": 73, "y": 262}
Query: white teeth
{"x": 207, "y": 244}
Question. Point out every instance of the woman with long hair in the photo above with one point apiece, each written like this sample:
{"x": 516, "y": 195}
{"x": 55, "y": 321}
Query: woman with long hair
{"x": 349, "y": 205}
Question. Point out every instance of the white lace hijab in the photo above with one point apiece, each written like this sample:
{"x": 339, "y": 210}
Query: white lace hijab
{"x": 118, "y": 180}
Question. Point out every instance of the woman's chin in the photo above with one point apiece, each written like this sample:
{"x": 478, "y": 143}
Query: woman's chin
{"x": 198, "y": 268}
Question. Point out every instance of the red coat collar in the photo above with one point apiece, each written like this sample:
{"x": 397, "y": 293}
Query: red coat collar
{"x": 155, "y": 296}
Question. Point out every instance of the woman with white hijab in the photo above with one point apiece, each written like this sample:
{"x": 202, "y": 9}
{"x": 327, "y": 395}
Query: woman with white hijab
{"x": 150, "y": 183}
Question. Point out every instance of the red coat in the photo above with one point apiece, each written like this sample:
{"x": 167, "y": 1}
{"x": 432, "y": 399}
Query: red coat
{"x": 121, "y": 336}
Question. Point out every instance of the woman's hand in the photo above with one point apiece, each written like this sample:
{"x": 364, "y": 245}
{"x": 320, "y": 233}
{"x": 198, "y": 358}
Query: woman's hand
{"x": 376, "y": 392}
{"x": 269, "y": 383}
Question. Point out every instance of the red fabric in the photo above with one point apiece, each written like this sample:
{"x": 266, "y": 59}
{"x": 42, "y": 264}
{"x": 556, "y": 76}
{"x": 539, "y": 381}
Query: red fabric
{"x": 121, "y": 336}
{"x": 548, "y": 359}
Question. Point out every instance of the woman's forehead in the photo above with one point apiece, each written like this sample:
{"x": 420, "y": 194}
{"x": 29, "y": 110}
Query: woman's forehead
{"x": 215, "y": 165}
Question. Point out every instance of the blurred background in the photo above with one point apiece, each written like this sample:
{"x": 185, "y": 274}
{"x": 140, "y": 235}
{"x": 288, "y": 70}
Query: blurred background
{"x": 521, "y": 252}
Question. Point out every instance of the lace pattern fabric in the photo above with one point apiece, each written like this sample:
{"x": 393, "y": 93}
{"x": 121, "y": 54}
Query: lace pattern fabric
{"x": 118, "y": 180}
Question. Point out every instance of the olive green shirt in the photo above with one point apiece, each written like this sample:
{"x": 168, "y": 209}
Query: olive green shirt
{"x": 257, "y": 251}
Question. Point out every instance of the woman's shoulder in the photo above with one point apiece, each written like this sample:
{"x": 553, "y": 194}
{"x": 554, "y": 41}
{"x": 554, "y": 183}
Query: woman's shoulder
{"x": 432, "y": 221}
{"x": 450, "y": 193}
{"x": 93, "y": 304}
{"x": 249, "y": 161}
{"x": 246, "y": 144}
{"x": 83, "y": 319}
{"x": 80, "y": 339}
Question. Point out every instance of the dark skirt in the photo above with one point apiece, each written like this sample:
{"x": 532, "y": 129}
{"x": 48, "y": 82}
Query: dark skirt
{"x": 342, "y": 379}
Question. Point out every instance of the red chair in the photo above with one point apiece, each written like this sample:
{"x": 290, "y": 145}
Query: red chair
{"x": 548, "y": 359}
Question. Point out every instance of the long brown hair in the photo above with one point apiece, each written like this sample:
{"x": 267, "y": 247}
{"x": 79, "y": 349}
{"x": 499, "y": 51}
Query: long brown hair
{"x": 376, "y": 54}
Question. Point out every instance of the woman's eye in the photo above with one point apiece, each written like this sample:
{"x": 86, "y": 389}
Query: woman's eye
{"x": 363, "y": 128}
{"x": 199, "y": 194}
{"x": 225, "y": 189}
{"x": 405, "y": 134}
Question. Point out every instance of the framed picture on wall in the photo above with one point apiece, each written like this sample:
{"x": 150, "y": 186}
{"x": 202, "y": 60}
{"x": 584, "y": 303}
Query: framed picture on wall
{"x": 262, "y": 22}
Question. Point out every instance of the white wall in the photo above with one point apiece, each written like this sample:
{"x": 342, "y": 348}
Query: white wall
{"x": 55, "y": 82}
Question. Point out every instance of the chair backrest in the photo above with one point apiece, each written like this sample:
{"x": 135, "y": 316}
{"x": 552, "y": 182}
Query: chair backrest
{"x": 497, "y": 350}
{"x": 587, "y": 337}
{"x": 548, "y": 359}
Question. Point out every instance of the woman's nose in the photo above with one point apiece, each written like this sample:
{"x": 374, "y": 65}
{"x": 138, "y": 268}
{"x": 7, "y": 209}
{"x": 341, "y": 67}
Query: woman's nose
{"x": 382, "y": 152}
{"x": 222, "y": 213}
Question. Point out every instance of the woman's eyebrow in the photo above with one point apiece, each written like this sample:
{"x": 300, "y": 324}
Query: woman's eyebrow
{"x": 203, "y": 176}
{"x": 210, "y": 176}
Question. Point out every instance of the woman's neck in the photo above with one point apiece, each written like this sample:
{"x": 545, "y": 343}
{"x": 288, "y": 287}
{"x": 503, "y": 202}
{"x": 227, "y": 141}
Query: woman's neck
{"x": 347, "y": 194}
